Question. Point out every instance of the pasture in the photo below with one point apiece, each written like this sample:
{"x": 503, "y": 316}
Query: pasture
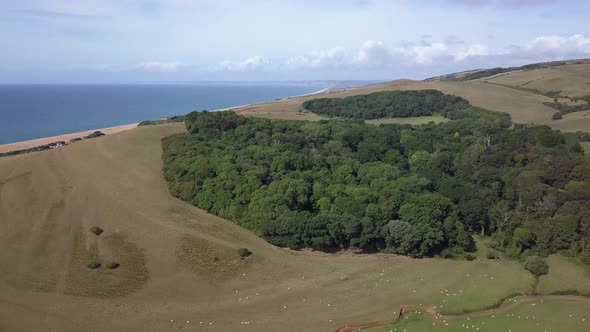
{"x": 179, "y": 268}
{"x": 508, "y": 95}
{"x": 414, "y": 121}
{"x": 571, "y": 80}
{"x": 530, "y": 314}
{"x": 166, "y": 249}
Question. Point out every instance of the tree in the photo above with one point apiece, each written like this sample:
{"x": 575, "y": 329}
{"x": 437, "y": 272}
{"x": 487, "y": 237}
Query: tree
{"x": 333, "y": 185}
{"x": 499, "y": 215}
{"x": 426, "y": 213}
{"x": 403, "y": 238}
{"x": 387, "y": 104}
{"x": 522, "y": 238}
{"x": 419, "y": 161}
{"x": 550, "y": 138}
{"x": 536, "y": 265}
{"x": 577, "y": 148}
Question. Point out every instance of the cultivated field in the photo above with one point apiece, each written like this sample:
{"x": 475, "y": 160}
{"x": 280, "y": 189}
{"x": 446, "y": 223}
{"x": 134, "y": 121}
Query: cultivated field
{"x": 509, "y": 95}
{"x": 179, "y": 265}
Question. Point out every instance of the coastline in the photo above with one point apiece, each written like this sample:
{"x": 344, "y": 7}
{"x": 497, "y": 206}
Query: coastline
{"x": 22, "y": 145}
{"x": 29, "y": 144}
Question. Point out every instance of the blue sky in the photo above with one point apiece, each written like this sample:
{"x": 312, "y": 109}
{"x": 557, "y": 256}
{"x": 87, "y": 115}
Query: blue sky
{"x": 99, "y": 41}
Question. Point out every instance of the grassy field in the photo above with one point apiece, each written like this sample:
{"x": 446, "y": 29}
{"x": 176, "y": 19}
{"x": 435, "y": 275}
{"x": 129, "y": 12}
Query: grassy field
{"x": 287, "y": 115}
{"x": 179, "y": 265}
{"x": 531, "y": 315}
{"x": 578, "y": 121}
{"x": 571, "y": 80}
{"x": 523, "y": 106}
{"x": 566, "y": 273}
{"x": 308, "y": 116}
{"x": 179, "y": 268}
{"x": 415, "y": 121}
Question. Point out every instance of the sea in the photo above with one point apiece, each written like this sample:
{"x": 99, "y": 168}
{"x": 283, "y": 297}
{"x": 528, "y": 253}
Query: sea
{"x": 36, "y": 111}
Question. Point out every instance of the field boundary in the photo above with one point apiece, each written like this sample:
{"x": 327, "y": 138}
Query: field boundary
{"x": 435, "y": 314}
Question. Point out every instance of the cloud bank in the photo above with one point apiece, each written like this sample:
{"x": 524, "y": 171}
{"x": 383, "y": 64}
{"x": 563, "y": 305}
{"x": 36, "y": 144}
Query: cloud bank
{"x": 377, "y": 54}
{"x": 159, "y": 67}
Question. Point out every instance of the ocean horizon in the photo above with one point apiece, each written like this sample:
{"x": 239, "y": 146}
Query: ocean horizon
{"x": 31, "y": 111}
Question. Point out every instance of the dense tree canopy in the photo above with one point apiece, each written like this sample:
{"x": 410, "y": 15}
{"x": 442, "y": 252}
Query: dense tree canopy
{"x": 392, "y": 104}
{"x": 416, "y": 191}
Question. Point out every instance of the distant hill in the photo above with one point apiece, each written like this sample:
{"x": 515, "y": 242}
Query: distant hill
{"x": 530, "y": 94}
{"x": 481, "y": 73}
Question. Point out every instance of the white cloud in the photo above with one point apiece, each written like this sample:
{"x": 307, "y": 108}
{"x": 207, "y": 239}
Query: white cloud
{"x": 426, "y": 54}
{"x": 250, "y": 64}
{"x": 155, "y": 66}
{"x": 475, "y": 50}
{"x": 374, "y": 53}
{"x": 566, "y": 46}
{"x": 441, "y": 52}
{"x": 318, "y": 59}
{"x": 371, "y": 54}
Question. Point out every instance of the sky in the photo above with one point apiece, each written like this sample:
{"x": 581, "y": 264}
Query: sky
{"x": 123, "y": 41}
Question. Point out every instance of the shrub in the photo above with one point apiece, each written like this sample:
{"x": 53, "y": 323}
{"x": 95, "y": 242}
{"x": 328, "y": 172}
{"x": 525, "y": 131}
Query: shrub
{"x": 492, "y": 254}
{"x": 95, "y": 134}
{"x": 585, "y": 257}
{"x": 577, "y": 148}
{"x": 113, "y": 265}
{"x": 557, "y": 116}
{"x": 96, "y": 230}
{"x": 470, "y": 257}
{"x": 536, "y": 265}
{"x": 452, "y": 253}
{"x": 244, "y": 252}
{"x": 93, "y": 264}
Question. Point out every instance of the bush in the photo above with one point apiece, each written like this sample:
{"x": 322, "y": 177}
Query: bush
{"x": 244, "y": 252}
{"x": 94, "y": 264}
{"x": 557, "y": 116}
{"x": 95, "y": 134}
{"x": 492, "y": 254}
{"x": 536, "y": 265}
{"x": 96, "y": 230}
{"x": 585, "y": 257}
{"x": 577, "y": 148}
{"x": 113, "y": 265}
{"x": 470, "y": 257}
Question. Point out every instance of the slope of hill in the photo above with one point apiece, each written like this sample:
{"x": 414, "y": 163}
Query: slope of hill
{"x": 178, "y": 265}
{"x": 523, "y": 93}
{"x": 483, "y": 73}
